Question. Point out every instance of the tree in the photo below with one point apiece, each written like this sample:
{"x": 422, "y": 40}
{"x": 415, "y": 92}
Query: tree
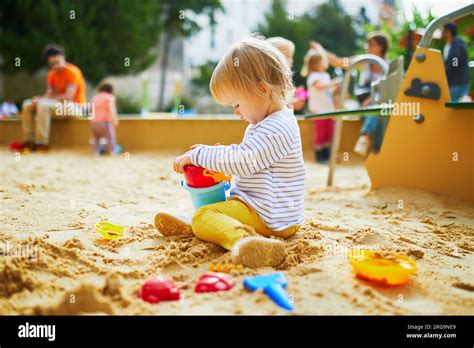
{"x": 203, "y": 75}
{"x": 102, "y": 37}
{"x": 334, "y": 28}
{"x": 361, "y": 21}
{"x": 278, "y": 21}
{"x": 178, "y": 22}
{"x": 395, "y": 35}
{"x": 362, "y": 18}
{"x": 324, "y": 23}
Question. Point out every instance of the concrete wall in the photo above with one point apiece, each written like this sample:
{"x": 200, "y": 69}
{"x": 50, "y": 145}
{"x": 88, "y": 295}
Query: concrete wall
{"x": 168, "y": 133}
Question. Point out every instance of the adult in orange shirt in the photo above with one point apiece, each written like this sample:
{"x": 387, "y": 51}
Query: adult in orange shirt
{"x": 65, "y": 96}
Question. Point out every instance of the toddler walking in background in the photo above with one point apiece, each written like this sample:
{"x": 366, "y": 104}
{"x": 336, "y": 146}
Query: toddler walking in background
{"x": 255, "y": 79}
{"x": 320, "y": 100}
{"x": 104, "y": 118}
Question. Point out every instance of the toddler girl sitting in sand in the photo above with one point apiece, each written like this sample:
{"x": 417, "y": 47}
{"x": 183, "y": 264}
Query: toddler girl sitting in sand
{"x": 254, "y": 78}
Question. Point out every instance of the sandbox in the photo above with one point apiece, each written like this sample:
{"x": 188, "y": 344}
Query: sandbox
{"x": 54, "y": 262}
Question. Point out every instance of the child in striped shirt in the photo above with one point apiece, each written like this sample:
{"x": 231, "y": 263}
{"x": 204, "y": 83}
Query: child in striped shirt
{"x": 267, "y": 200}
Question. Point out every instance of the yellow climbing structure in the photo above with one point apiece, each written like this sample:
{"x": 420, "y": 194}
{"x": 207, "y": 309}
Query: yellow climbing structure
{"x": 435, "y": 152}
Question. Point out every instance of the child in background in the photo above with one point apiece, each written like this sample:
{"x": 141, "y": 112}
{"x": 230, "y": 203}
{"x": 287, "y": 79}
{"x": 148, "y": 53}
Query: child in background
{"x": 320, "y": 99}
{"x": 287, "y": 48}
{"x": 255, "y": 79}
{"x": 104, "y": 118}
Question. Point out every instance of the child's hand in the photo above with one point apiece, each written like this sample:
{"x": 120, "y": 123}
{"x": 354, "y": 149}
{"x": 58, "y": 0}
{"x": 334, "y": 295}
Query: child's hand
{"x": 180, "y": 162}
{"x": 116, "y": 122}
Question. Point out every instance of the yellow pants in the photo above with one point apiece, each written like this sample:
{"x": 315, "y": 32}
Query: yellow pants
{"x": 225, "y": 223}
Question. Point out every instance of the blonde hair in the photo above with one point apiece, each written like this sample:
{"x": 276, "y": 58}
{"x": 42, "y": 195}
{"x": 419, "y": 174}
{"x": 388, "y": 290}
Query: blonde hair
{"x": 282, "y": 44}
{"x": 248, "y": 63}
{"x": 311, "y": 56}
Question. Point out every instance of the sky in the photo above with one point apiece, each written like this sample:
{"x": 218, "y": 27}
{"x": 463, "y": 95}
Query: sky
{"x": 242, "y": 17}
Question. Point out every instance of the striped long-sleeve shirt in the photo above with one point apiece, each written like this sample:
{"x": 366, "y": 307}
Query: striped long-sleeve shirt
{"x": 269, "y": 168}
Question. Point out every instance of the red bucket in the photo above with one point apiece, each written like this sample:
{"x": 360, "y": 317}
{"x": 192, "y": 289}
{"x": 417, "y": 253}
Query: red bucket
{"x": 198, "y": 177}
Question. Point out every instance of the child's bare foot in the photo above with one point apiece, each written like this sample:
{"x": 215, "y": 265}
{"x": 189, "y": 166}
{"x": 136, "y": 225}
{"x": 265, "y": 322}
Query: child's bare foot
{"x": 173, "y": 225}
{"x": 258, "y": 252}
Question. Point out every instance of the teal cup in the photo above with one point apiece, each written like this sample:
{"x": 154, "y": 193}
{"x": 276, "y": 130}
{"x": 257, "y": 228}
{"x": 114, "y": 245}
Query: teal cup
{"x": 207, "y": 195}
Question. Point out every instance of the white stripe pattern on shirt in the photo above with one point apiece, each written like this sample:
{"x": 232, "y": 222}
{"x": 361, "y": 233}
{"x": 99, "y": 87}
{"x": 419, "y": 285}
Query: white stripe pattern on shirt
{"x": 269, "y": 168}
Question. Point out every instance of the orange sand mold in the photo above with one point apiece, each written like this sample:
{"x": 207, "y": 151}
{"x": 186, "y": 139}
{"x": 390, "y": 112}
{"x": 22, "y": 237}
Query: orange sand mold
{"x": 392, "y": 269}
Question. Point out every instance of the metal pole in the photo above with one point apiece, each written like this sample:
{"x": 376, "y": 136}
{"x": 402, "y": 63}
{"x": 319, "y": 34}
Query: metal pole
{"x": 440, "y": 21}
{"x": 364, "y": 58}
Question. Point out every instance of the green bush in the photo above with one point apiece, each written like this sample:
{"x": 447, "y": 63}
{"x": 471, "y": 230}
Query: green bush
{"x": 185, "y": 103}
{"x": 127, "y": 105}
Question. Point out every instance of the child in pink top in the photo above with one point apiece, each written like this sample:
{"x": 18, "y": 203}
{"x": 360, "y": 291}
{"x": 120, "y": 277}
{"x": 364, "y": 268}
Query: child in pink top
{"x": 104, "y": 117}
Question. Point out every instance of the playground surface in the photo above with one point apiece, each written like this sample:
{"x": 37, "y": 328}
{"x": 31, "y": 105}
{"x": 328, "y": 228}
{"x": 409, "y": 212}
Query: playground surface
{"x": 51, "y": 202}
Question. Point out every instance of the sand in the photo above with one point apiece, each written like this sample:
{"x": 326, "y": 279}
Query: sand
{"x": 53, "y": 261}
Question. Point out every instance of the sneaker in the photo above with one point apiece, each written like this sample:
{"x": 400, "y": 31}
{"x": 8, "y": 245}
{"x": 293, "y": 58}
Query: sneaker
{"x": 362, "y": 146}
{"x": 41, "y": 148}
{"x": 27, "y": 145}
{"x": 327, "y": 154}
{"x": 320, "y": 156}
{"x": 173, "y": 224}
{"x": 258, "y": 252}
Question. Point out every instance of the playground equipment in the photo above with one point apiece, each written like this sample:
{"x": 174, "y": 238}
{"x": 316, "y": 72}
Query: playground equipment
{"x": 382, "y": 269}
{"x": 434, "y": 149}
{"x": 273, "y": 285}
{"x": 365, "y": 58}
{"x": 431, "y": 149}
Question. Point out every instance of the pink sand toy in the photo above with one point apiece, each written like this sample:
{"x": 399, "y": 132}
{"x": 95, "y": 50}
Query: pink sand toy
{"x": 213, "y": 282}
